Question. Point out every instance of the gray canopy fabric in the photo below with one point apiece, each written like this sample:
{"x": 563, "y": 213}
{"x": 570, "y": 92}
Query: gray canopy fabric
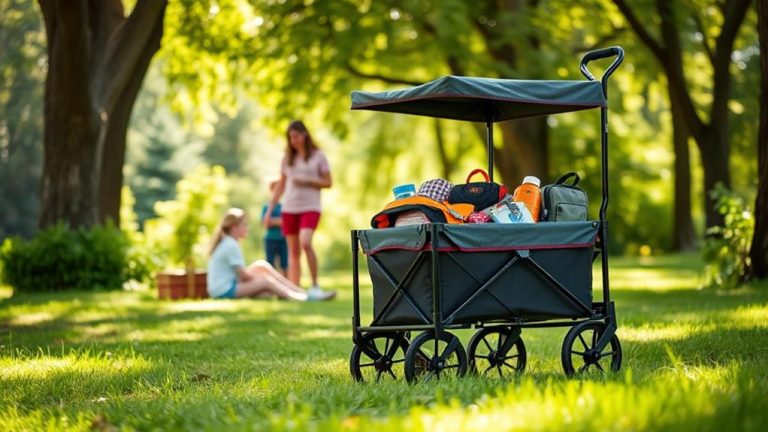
{"x": 484, "y": 99}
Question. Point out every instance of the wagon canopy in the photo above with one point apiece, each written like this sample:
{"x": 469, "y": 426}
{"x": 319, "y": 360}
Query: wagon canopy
{"x": 484, "y": 99}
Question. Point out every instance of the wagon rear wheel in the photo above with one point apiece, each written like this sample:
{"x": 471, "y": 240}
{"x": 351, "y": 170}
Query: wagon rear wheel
{"x": 579, "y": 355}
{"x": 496, "y": 351}
{"x": 430, "y": 357}
{"x": 378, "y": 356}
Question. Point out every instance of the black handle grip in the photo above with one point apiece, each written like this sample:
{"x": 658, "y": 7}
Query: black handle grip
{"x": 616, "y": 51}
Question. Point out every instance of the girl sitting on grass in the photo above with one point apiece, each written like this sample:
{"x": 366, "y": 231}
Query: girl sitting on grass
{"x": 229, "y": 278}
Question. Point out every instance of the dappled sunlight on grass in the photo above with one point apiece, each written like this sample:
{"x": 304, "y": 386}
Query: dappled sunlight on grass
{"x": 651, "y": 280}
{"x": 31, "y": 319}
{"x": 44, "y": 366}
{"x": 693, "y": 360}
{"x": 664, "y": 333}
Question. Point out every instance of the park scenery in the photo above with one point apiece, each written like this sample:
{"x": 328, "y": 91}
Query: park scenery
{"x": 508, "y": 215}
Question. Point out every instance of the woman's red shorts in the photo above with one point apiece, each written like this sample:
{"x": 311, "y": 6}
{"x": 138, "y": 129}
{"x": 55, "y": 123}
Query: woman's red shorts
{"x": 293, "y": 222}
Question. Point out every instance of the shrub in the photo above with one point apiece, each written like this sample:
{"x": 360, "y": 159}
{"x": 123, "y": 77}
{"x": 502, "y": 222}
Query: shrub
{"x": 184, "y": 224}
{"x": 59, "y": 258}
{"x": 726, "y": 248}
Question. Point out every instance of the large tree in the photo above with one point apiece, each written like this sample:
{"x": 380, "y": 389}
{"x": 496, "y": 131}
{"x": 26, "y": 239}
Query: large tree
{"x": 759, "y": 251}
{"x": 97, "y": 59}
{"x": 710, "y": 133}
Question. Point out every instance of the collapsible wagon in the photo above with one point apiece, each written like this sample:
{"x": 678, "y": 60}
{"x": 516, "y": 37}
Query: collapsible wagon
{"x": 496, "y": 278}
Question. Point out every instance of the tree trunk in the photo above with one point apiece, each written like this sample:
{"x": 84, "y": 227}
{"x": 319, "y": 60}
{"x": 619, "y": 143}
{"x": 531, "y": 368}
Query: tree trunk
{"x": 524, "y": 151}
{"x": 759, "y": 251}
{"x": 683, "y": 234}
{"x": 711, "y": 138}
{"x": 715, "y": 157}
{"x": 96, "y": 62}
{"x": 72, "y": 138}
{"x": 111, "y": 181}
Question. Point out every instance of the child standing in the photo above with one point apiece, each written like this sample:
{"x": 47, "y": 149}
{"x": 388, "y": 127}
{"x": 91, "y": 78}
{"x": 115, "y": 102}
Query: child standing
{"x": 275, "y": 246}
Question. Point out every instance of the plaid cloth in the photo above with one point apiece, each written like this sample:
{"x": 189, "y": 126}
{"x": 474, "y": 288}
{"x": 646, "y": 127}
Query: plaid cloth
{"x": 436, "y": 189}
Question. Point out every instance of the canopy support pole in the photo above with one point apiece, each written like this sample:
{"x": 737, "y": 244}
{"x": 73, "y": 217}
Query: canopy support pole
{"x": 489, "y": 143}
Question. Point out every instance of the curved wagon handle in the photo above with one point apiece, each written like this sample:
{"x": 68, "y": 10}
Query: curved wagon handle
{"x": 616, "y": 51}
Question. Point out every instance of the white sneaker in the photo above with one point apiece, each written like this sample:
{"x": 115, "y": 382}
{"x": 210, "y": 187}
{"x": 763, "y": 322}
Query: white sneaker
{"x": 317, "y": 294}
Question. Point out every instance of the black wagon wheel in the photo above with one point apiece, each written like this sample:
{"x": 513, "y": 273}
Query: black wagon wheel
{"x": 496, "y": 351}
{"x": 429, "y": 357}
{"x": 579, "y": 354}
{"x": 378, "y": 356}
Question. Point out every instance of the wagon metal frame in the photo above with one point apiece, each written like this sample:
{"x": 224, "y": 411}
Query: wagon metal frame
{"x": 435, "y": 254}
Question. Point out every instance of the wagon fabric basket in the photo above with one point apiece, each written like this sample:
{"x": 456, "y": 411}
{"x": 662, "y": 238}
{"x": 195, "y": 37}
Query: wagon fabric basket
{"x": 482, "y": 272}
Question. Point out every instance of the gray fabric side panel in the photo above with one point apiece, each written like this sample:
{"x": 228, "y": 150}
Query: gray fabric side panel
{"x": 411, "y": 237}
{"x": 542, "y": 235}
{"x": 470, "y": 98}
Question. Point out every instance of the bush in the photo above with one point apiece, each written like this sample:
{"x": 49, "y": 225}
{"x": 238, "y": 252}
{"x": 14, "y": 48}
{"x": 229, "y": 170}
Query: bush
{"x": 726, "y": 248}
{"x": 183, "y": 227}
{"x": 59, "y": 258}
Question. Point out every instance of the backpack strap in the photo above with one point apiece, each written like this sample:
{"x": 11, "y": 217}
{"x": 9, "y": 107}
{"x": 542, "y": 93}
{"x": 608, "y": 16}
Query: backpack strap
{"x": 566, "y": 176}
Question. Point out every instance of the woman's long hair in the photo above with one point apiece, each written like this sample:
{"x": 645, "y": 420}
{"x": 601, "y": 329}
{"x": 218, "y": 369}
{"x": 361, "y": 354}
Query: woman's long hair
{"x": 309, "y": 144}
{"x": 231, "y": 218}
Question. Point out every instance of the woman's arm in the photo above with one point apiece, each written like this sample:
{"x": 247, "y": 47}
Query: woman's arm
{"x": 276, "y": 195}
{"x": 242, "y": 274}
{"x": 324, "y": 181}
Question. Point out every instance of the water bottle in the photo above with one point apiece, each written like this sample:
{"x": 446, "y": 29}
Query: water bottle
{"x": 530, "y": 194}
{"x": 404, "y": 191}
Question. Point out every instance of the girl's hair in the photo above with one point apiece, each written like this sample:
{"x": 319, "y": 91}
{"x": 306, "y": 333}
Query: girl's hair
{"x": 231, "y": 218}
{"x": 309, "y": 144}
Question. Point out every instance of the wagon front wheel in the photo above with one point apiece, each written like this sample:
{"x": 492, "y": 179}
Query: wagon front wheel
{"x": 432, "y": 357}
{"x": 496, "y": 350}
{"x": 579, "y": 354}
{"x": 378, "y": 356}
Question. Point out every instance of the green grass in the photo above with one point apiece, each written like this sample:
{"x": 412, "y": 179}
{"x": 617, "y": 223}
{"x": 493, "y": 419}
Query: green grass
{"x": 694, "y": 360}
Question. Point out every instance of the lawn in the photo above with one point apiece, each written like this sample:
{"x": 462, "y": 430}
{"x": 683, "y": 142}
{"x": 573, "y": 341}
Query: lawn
{"x": 694, "y": 360}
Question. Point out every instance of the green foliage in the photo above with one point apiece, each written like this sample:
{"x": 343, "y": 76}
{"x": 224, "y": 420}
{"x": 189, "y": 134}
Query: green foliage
{"x": 21, "y": 112}
{"x": 59, "y": 258}
{"x": 184, "y": 224}
{"x": 726, "y": 248}
{"x": 142, "y": 260}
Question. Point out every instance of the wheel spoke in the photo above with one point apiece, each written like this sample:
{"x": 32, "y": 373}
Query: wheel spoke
{"x": 398, "y": 361}
{"x": 594, "y": 338}
{"x": 498, "y": 368}
{"x": 510, "y": 357}
{"x": 367, "y": 364}
{"x": 450, "y": 366}
{"x": 583, "y": 368}
{"x": 487, "y": 369}
{"x": 482, "y": 356}
{"x": 450, "y": 349}
{"x": 392, "y": 350}
{"x": 393, "y": 374}
{"x": 606, "y": 354}
{"x": 378, "y": 376}
{"x": 578, "y": 352}
{"x": 510, "y": 366}
{"x": 599, "y": 367}
{"x": 583, "y": 342}
{"x": 386, "y": 345}
{"x": 487, "y": 344}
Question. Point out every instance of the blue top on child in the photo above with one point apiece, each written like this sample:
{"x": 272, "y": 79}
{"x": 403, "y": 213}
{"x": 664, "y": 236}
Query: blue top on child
{"x": 273, "y": 232}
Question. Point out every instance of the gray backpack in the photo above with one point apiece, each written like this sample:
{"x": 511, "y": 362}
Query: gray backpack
{"x": 563, "y": 202}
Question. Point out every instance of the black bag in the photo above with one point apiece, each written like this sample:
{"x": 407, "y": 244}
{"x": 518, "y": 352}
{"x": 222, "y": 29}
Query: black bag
{"x": 480, "y": 194}
{"x": 563, "y": 202}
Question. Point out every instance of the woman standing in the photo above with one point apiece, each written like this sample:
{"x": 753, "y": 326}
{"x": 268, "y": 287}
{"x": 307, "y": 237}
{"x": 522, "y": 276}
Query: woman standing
{"x": 304, "y": 171}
